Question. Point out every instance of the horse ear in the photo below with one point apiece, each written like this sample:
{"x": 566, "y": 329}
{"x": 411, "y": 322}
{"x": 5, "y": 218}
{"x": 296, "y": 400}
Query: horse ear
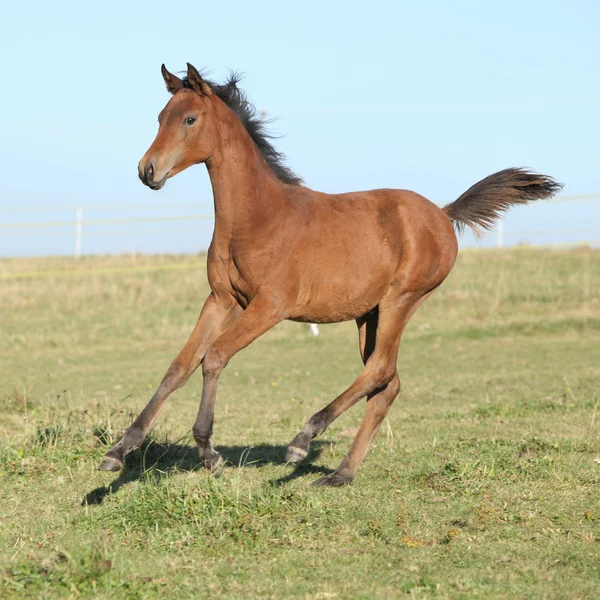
{"x": 174, "y": 84}
{"x": 196, "y": 82}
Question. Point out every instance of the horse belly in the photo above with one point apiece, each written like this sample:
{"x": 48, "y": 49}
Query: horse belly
{"x": 333, "y": 301}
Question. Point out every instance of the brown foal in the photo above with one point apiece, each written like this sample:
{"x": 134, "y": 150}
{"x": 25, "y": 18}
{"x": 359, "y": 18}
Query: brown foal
{"x": 283, "y": 251}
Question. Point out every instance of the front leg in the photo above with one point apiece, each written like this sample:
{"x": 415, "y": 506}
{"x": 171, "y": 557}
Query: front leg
{"x": 216, "y": 314}
{"x": 263, "y": 313}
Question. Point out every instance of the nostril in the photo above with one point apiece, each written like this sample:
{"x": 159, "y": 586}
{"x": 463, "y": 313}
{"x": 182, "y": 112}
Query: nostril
{"x": 150, "y": 170}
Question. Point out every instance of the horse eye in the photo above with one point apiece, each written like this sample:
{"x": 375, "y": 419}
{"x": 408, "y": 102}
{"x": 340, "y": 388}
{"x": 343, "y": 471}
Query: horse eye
{"x": 190, "y": 120}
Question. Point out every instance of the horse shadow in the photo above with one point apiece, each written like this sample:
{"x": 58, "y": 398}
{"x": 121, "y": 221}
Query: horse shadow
{"x": 157, "y": 460}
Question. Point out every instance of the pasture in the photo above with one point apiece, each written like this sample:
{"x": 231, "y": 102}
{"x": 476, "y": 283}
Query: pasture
{"x": 484, "y": 481}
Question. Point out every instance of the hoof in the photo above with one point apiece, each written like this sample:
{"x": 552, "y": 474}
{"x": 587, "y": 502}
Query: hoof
{"x": 295, "y": 455}
{"x": 334, "y": 479}
{"x": 110, "y": 463}
{"x": 213, "y": 463}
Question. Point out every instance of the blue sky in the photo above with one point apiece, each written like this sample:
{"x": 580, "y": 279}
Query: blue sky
{"x": 430, "y": 96}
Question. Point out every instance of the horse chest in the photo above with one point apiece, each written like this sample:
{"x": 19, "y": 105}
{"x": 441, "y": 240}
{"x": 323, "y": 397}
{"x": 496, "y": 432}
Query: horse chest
{"x": 240, "y": 286}
{"x": 224, "y": 274}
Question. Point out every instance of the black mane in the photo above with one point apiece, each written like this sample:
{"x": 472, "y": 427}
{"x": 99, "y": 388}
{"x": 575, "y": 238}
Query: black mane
{"x": 255, "y": 124}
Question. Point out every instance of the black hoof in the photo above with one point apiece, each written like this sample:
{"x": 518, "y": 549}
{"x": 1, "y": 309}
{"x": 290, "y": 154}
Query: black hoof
{"x": 295, "y": 455}
{"x": 111, "y": 463}
{"x": 334, "y": 479}
{"x": 213, "y": 463}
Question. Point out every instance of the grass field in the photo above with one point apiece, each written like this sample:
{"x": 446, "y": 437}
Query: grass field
{"x": 483, "y": 482}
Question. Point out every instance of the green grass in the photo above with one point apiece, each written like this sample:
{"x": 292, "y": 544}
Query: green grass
{"x": 483, "y": 481}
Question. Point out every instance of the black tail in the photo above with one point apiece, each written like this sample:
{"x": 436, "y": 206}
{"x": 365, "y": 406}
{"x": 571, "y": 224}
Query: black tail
{"x": 488, "y": 199}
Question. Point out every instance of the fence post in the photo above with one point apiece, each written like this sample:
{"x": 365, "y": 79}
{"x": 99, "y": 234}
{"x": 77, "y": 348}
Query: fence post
{"x": 78, "y": 230}
{"x": 500, "y": 234}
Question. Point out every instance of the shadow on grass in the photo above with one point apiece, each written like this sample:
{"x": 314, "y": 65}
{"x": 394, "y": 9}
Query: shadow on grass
{"x": 161, "y": 459}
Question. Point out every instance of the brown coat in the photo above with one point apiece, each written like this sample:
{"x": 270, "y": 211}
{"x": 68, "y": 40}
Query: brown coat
{"x": 283, "y": 251}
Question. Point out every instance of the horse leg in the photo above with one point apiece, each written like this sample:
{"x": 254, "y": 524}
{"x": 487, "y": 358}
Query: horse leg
{"x": 214, "y": 317}
{"x": 378, "y": 406}
{"x": 379, "y": 369}
{"x": 298, "y": 448}
{"x": 261, "y": 315}
{"x": 394, "y": 314}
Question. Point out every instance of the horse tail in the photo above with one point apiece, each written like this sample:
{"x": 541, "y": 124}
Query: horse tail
{"x": 488, "y": 199}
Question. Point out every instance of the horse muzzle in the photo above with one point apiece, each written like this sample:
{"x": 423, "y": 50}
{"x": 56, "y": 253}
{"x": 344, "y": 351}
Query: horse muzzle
{"x": 147, "y": 175}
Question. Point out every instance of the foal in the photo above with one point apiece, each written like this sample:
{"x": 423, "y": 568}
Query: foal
{"x": 283, "y": 251}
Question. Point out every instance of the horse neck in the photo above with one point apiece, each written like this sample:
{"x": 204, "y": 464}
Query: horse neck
{"x": 245, "y": 190}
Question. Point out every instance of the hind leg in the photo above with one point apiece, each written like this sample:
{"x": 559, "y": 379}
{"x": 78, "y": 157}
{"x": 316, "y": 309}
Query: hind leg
{"x": 378, "y": 405}
{"x": 298, "y": 448}
{"x": 381, "y": 337}
{"x": 394, "y": 314}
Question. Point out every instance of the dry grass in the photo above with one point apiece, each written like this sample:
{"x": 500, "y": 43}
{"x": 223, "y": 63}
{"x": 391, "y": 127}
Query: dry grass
{"x": 481, "y": 482}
